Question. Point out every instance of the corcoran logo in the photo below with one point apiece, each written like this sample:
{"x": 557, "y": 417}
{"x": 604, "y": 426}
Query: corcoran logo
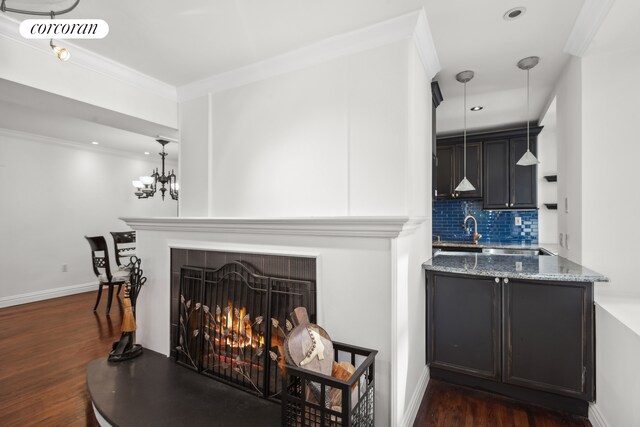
{"x": 64, "y": 29}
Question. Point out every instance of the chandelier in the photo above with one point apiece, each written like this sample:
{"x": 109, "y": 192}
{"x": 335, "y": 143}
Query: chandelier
{"x": 147, "y": 186}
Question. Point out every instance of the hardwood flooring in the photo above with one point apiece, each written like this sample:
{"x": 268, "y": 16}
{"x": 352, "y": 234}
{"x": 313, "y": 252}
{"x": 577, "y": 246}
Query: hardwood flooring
{"x": 44, "y": 349}
{"x": 446, "y": 405}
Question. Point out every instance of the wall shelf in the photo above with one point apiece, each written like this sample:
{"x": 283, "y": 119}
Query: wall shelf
{"x": 551, "y": 178}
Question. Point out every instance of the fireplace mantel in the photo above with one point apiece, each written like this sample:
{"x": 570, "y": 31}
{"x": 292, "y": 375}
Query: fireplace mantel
{"x": 351, "y": 226}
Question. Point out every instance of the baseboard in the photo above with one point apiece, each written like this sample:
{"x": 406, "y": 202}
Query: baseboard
{"x": 47, "y": 294}
{"x": 595, "y": 416}
{"x": 414, "y": 405}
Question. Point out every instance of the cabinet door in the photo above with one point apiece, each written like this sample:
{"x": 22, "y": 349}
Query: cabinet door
{"x": 548, "y": 337}
{"x": 474, "y": 169}
{"x": 496, "y": 174}
{"x": 523, "y": 189}
{"x": 463, "y": 324}
{"x": 446, "y": 156}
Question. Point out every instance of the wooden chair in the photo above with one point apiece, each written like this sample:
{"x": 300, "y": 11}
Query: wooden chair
{"x": 99, "y": 244}
{"x": 124, "y": 243}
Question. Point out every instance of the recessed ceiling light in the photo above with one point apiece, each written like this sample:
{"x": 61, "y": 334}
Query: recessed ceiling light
{"x": 95, "y": 142}
{"x": 477, "y": 108}
{"x": 147, "y": 153}
{"x": 514, "y": 13}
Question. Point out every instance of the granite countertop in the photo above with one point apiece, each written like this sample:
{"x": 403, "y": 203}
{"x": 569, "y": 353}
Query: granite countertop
{"x": 513, "y": 266}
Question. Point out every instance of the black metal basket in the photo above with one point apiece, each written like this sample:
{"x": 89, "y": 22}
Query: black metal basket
{"x": 305, "y": 389}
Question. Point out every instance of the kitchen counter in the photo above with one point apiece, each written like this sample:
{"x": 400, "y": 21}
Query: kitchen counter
{"x": 552, "y": 268}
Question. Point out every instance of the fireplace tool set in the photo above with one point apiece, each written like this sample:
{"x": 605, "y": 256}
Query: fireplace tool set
{"x": 126, "y": 348}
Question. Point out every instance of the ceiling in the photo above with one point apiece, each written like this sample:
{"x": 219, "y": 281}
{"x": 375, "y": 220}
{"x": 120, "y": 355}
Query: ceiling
{"x": 180, "y": 42}
{"x": 472, "y": 35}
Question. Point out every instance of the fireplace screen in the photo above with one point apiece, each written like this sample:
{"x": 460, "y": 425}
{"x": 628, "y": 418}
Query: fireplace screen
{"x": 233, "y": 321}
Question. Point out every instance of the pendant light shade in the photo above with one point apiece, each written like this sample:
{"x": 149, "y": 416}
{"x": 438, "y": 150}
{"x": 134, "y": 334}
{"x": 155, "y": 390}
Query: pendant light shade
{"x": 528, "y": 159}
{"x": 464, "y": 77}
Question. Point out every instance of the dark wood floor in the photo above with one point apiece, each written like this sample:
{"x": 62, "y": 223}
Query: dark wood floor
{"x": 45, "y": 347}
{"x": 446, "y": 405}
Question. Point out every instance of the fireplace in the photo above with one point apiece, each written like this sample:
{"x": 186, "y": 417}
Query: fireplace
{"x": 231, "y": 319}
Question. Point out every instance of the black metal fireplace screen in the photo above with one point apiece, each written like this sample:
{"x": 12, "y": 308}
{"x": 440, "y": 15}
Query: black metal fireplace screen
{"x": 233, "y": 321}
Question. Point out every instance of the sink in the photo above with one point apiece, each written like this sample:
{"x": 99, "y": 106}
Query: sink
{"x": 514, "y": 251}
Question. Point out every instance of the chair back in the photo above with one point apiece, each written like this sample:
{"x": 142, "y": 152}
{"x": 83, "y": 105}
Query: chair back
{"x": 124, "y": 243}
{"x": 99, "y": 244}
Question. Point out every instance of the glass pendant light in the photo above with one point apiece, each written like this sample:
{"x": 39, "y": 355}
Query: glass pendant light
{"x": 528, "y": 159}
{"x": 464, "y": 77}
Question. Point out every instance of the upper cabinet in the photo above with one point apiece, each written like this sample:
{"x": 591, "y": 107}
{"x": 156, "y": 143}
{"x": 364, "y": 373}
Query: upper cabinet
{"x": 451, "y": 169}
{"x": 507, "y": 185}
{"x": 491, "y": 168}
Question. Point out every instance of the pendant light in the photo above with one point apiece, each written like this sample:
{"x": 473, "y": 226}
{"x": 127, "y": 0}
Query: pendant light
{"x": 464, "y": 77}
{"x": 528, "y": 159}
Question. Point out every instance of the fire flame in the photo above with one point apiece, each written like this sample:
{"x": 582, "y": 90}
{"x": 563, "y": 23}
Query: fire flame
{"x": 237, "y": 325}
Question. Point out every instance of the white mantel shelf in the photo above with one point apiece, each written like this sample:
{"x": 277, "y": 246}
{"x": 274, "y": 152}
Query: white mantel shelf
{"x": 348, "y": 226}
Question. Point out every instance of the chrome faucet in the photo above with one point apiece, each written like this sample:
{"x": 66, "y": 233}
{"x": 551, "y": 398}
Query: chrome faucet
{"x": 476, "y": 236}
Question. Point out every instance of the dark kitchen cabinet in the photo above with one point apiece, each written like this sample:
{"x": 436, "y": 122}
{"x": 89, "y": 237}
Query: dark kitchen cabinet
{"x": 451, "y": 170}
{"x": 528, "y": 339}
{"x": 436, "y": 98}
{"x": 464, "y": 324}
{"x": 446, "y": 171}
{"x": 548, "y": 337}
{"x": 507, "y": 185}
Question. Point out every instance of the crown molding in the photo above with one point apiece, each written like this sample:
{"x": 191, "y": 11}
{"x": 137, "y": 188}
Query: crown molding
{"x": 425, "y": 46}
{"x": 91, "y": 61}
{"x": 373, "y": 226}
{"x": 413, "y": 25}
{"x": 587, "y": 24}
{"x": 27, "y": 136}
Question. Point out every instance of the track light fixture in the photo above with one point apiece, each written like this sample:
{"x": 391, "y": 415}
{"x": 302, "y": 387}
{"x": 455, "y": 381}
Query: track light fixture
{"x": 62, "y": 53}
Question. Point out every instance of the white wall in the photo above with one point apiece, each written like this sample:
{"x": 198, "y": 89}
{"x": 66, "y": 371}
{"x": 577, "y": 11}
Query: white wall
{"x": 327, "y": 140}
{"x": 617, "y": 373}
{"x": 610, "y": 155}
{"x": 52, "y": 196}
{"x": 548, "y": 191}
{"x": 569, "y": 135}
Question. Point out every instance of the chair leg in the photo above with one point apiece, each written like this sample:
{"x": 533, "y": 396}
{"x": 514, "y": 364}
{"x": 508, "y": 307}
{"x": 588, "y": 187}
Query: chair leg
{"x": 98, "y": 298}
{"x": 109, "y": 297}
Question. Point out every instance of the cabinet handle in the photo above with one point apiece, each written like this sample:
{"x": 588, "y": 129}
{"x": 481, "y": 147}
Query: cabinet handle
{"x": 506, "y": 280}
{"x": 506, "y": 204}
{"x": 497, "y": 280}
{"x": 511, "y": 205}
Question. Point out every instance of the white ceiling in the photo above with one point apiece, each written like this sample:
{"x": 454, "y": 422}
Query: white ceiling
{"x": 180, "y": 42}
{"x": 472, "y": 35}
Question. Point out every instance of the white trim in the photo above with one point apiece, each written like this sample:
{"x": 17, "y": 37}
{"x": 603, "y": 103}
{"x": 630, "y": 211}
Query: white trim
{"x": 101, "y": 420}
{"x": 414, "y": 404}
{"x": 587, "y": 24}
{"x": 91, "y": 61}
{"x": 77, "y": 145}
{"x": 47, "y": 294}
{"x": 411, "y": 25}
{"x": 393, "y": 281}
{"x": 595, "y": 416}
{"x": 423, "y": 40}
{"x": 380, "y": 227}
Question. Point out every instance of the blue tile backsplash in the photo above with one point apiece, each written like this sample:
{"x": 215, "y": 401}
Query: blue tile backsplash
{"x": 494, "y": 226}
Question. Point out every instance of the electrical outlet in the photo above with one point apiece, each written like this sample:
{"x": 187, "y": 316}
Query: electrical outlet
{"x": 518, "y": 220}
{"x": 518, "y": 265}
{"x": 64, "y": 268}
